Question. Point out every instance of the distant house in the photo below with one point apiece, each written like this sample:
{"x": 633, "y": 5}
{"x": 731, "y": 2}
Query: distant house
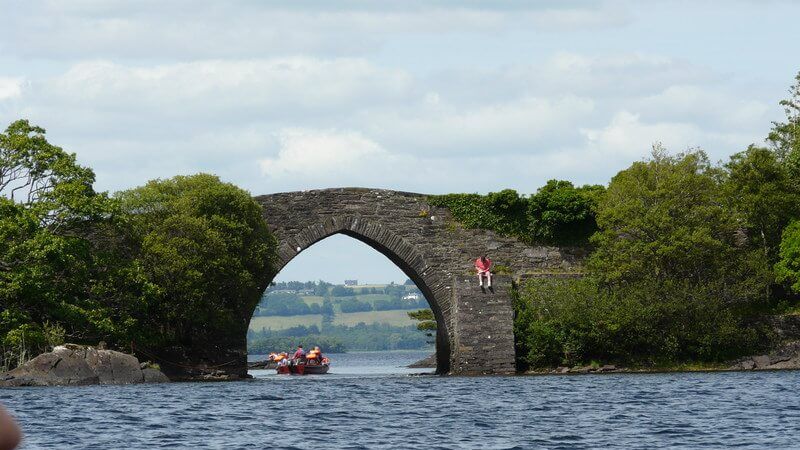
{"x": 412, "y": 296}
{"x": 351, "y": 282}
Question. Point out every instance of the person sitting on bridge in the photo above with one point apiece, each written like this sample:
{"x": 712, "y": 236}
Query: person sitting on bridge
{"x": 484, "y": 265}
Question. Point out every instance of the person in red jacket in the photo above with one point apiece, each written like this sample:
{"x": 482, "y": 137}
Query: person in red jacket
{"x": 484, "y": 265}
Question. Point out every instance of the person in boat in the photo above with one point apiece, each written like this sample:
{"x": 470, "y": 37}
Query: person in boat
{"x": 283, "y": 359}
{"x": 484, "y": 267}
{"x": 318, "y": 355}
{"x": 300, "y": 354}
{"x": 311, "y": 356}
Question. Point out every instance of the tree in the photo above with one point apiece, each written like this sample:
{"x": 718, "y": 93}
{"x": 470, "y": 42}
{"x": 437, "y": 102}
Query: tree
{"x": 665, "y": 220}
{"x": 785, "y": 136}
{"x": 760, "y": 187}
{"x": 204, "y": 248}
{"x": 787, "y": 269}
{"x": 668, "y": 249}
{"x": 427, "y": 321}
{"x": 561, "y": 214}
{"x": 48, "y": 212}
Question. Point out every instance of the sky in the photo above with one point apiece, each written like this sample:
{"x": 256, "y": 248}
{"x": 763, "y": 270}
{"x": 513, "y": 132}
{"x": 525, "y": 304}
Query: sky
{"x": 423, "y": 96}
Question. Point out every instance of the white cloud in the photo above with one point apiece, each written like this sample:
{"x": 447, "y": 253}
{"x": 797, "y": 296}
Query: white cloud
{"x": 627, "y": 138}
{"x": 207, "y": 86}
{"x": 205, "y": 29}
{"x": 10, "y": 88}
{"x": 326, "y": 154}
{"x": 505, "y": 127}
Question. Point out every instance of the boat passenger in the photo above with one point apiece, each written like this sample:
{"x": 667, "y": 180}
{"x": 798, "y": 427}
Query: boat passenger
{"x": 318, "y": 353}
{"x": 300, "y": 353}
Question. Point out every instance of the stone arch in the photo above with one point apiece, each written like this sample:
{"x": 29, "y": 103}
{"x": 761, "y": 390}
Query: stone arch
{"x": 392, "y": 246}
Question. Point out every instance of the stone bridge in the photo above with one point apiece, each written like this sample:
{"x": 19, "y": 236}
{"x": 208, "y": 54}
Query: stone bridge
{"x": 474, "y": 328}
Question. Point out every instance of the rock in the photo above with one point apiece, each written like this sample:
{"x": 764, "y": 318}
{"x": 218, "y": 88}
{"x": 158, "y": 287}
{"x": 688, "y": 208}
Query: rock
{"x": 263, "y": 365}
{"x": 72, "y": 364}
{"x": 151, "y": 375}
{"x": 428, "y": 362}
{"x": 562, "y": 369}
{"x": 786, "y": 356}
{"x": 51, "y": 369}
{"x": 607, "y": 368}
{"x": 761, "y": 361}
{"x": 747, "y": 364}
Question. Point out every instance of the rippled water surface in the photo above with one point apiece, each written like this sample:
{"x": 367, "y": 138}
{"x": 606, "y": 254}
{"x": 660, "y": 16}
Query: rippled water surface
{"x": 369, "y": 402}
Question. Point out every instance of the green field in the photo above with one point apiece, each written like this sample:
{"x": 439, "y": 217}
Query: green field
{"x": 394, "y": 318}
{"x": 311, "y": 299}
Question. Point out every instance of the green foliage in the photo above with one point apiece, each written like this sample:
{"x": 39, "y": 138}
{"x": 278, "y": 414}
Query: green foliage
{"x": 787, "y": 269}
{"x": 285, "y": 304}
{"x": 503, "y": 212}
{"x": 350, "y": 305}
{"x": 664, "y": 221}
{"x": 156, "y": 265}
{"x": 668, "y": 282}
{"x": 760, "y": 188}
{"x": 342, "y": 291}
{"x": 785, "y": 136}
{"x": 558, "y": 213}
{"x": 426, "y": 319}
{"x": 202, "y": 248}
{"x": 573, "y": 322}
{"x": 48, "y": 210}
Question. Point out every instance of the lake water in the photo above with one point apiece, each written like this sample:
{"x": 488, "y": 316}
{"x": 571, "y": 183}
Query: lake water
{"x": 369, "y": 401}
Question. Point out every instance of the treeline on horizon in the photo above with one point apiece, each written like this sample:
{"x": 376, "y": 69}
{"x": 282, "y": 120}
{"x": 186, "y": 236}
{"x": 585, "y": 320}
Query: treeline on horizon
{"x": 338, "y": 338}
{"x": 283, "y": 299}
{"x": 689, "y": 259}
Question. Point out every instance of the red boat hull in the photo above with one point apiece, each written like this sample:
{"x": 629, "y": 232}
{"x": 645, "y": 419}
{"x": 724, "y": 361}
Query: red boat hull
{"x": 303, "y": 369}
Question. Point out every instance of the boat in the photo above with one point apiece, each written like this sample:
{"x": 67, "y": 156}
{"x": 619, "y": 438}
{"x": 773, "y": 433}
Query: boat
{"x": 304, "y": 368}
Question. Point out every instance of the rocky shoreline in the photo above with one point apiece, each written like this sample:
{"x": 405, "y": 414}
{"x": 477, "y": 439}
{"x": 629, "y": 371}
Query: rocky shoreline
{"x": 424, "y": 363}
{"x": 77, "y": 365}
{"x": 784, "y": 357}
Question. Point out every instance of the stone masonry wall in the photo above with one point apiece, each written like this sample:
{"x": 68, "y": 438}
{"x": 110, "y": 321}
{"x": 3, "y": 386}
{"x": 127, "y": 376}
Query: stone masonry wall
{"x": 484, "y": 327}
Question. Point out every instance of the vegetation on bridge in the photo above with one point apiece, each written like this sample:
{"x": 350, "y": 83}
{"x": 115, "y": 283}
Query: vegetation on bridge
{"x": 558, "y": 214}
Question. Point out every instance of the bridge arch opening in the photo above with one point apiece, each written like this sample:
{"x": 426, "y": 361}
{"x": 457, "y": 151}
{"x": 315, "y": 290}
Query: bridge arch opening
{"x": 396, "y": 250}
